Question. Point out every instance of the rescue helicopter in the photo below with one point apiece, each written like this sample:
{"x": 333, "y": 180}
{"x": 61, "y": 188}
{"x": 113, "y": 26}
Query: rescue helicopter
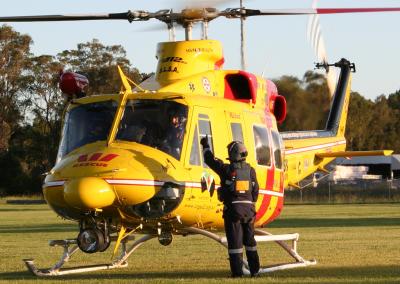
{"x": 131, "y": 163}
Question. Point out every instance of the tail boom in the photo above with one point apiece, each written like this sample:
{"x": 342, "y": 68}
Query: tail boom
{"x": 304, "y": 149}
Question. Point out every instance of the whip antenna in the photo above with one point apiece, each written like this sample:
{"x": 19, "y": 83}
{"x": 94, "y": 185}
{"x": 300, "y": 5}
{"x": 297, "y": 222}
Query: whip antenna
{"x": 242, "y": 36}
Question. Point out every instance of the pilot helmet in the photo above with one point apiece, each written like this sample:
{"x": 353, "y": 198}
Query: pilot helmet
{"x": 237, "y": 151}
{"x": 177, "y": 113}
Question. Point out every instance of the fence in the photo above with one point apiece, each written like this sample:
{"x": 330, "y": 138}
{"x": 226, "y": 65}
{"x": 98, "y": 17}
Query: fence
{"x": 359, "y": 191}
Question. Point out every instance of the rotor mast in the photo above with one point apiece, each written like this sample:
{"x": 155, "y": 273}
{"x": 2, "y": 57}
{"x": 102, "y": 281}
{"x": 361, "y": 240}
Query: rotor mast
{"x": 188, "y": 31}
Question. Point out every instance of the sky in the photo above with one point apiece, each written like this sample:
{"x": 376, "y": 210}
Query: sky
{"x": 276, "y": 45}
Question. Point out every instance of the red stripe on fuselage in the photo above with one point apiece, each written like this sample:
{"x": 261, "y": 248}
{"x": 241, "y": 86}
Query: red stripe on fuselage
{"x": 108, "y": 157}
{"x": 279, "y": 205}
{"x": 266, "y": 198}
{"x": 95, "y": 156}
{"x": 82, "y": 158}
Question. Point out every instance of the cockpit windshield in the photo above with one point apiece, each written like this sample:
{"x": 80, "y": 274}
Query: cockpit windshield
{"x": 86, "y": 124}
{"x": 158, "y": 124}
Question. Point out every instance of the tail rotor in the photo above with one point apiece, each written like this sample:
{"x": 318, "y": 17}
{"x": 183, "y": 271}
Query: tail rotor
{"x": 314, "y": 36}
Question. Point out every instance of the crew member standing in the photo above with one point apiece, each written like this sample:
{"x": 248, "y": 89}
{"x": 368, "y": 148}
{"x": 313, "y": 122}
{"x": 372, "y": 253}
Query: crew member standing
{"x": 238, "y": 192}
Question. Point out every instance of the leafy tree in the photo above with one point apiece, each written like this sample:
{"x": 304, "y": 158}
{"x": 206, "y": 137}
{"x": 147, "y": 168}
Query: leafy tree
{"x": 394, "y": 100}
{"x": 31, "y": 104}
{"x": 46, "y": 105}
{"x": 307, "y": 101}
{"x": 99, "y": 63}
{"x": 358, "y": 121}
{"x": 14, "y": 57}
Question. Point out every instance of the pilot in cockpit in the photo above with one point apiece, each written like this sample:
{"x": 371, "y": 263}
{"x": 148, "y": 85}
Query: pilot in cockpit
{"x": 175, "y": 132}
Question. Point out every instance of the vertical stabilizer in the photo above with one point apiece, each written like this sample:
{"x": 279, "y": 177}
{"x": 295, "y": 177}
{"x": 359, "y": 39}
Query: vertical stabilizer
{"x": 336, "y": 123}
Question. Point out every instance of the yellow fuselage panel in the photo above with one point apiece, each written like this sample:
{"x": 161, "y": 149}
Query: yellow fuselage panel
{"x": 134, "y": 173}
{"x": 300, "y": 159}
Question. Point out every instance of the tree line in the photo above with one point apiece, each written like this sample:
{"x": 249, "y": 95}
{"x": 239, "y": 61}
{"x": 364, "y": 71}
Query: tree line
{"x": 32, "y": 106}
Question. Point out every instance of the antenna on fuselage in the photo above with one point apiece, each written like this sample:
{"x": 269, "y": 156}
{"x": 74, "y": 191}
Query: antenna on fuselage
{"x": 242, "y": 37}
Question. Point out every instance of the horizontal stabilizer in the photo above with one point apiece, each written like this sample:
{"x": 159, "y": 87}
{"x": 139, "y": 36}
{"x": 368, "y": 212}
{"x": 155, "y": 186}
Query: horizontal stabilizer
{"x": 345, "y": 154}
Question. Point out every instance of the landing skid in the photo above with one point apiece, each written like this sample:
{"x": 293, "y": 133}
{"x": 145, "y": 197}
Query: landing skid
{"x": 263, "y": 236}
{"x": 70, "y": 247}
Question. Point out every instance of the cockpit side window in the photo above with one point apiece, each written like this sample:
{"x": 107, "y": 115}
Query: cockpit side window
{"x": 195, "y": 151}
{"x": 158, "y": 124}
{"x": 237, "y": 133}
{"x": 205, "y": 130}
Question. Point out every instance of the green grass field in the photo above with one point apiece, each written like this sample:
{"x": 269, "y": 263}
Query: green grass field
{"x": 352, "y": 244}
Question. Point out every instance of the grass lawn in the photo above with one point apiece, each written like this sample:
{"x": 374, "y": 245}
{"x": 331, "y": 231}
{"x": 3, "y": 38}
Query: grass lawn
{"x": 352, "y": 244}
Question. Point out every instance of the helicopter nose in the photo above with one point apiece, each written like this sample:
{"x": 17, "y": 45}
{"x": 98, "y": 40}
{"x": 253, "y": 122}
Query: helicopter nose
{"x": 88, "y": 193}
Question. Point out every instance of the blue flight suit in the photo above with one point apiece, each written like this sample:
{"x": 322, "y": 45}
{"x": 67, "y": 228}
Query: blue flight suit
{"x": 239, "y": 192}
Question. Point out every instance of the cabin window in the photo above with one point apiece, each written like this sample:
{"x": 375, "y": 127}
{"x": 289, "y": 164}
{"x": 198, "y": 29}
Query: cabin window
{"x": 277, "y": 146}
{"x": 237, "y": 133}
{"x": 158, "y": 124}
{"x": 261, "y": 143}
{"x": 205, "y": 130}
{"x": 195, "y": 153}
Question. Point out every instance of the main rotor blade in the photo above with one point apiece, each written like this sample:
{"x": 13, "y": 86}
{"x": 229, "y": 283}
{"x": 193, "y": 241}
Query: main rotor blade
{"x": 282, "y": 12}
{"x": 191, "y": 15}
{"x": 71, "y": 17}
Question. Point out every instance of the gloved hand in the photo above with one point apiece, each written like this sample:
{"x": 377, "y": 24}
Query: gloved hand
{"x": 204, "y": 142}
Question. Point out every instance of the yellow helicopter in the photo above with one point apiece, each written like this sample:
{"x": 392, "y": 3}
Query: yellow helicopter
{"x": 131, "y": 163}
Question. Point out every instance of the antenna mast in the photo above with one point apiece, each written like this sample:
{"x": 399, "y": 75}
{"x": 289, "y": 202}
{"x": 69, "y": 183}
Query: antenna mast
{"x": 242, "y": 37}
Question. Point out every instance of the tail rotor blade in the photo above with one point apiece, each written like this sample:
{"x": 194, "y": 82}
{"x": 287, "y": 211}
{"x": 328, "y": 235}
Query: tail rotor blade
{"x": 314, "y": 35}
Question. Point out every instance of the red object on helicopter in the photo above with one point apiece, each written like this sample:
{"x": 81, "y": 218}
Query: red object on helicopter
{"x": 73, "y": 83}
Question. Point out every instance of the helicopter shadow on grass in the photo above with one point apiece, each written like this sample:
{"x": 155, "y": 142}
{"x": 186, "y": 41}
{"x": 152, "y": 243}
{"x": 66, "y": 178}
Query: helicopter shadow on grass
{"x": 36, "y": 228}
{"x": 177, "y": 275}
{"x": 23, "y": 209}
{"x": 337, "y": 274}
{"x": 342, "y": 274}
{"x": 334, "y": 222}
